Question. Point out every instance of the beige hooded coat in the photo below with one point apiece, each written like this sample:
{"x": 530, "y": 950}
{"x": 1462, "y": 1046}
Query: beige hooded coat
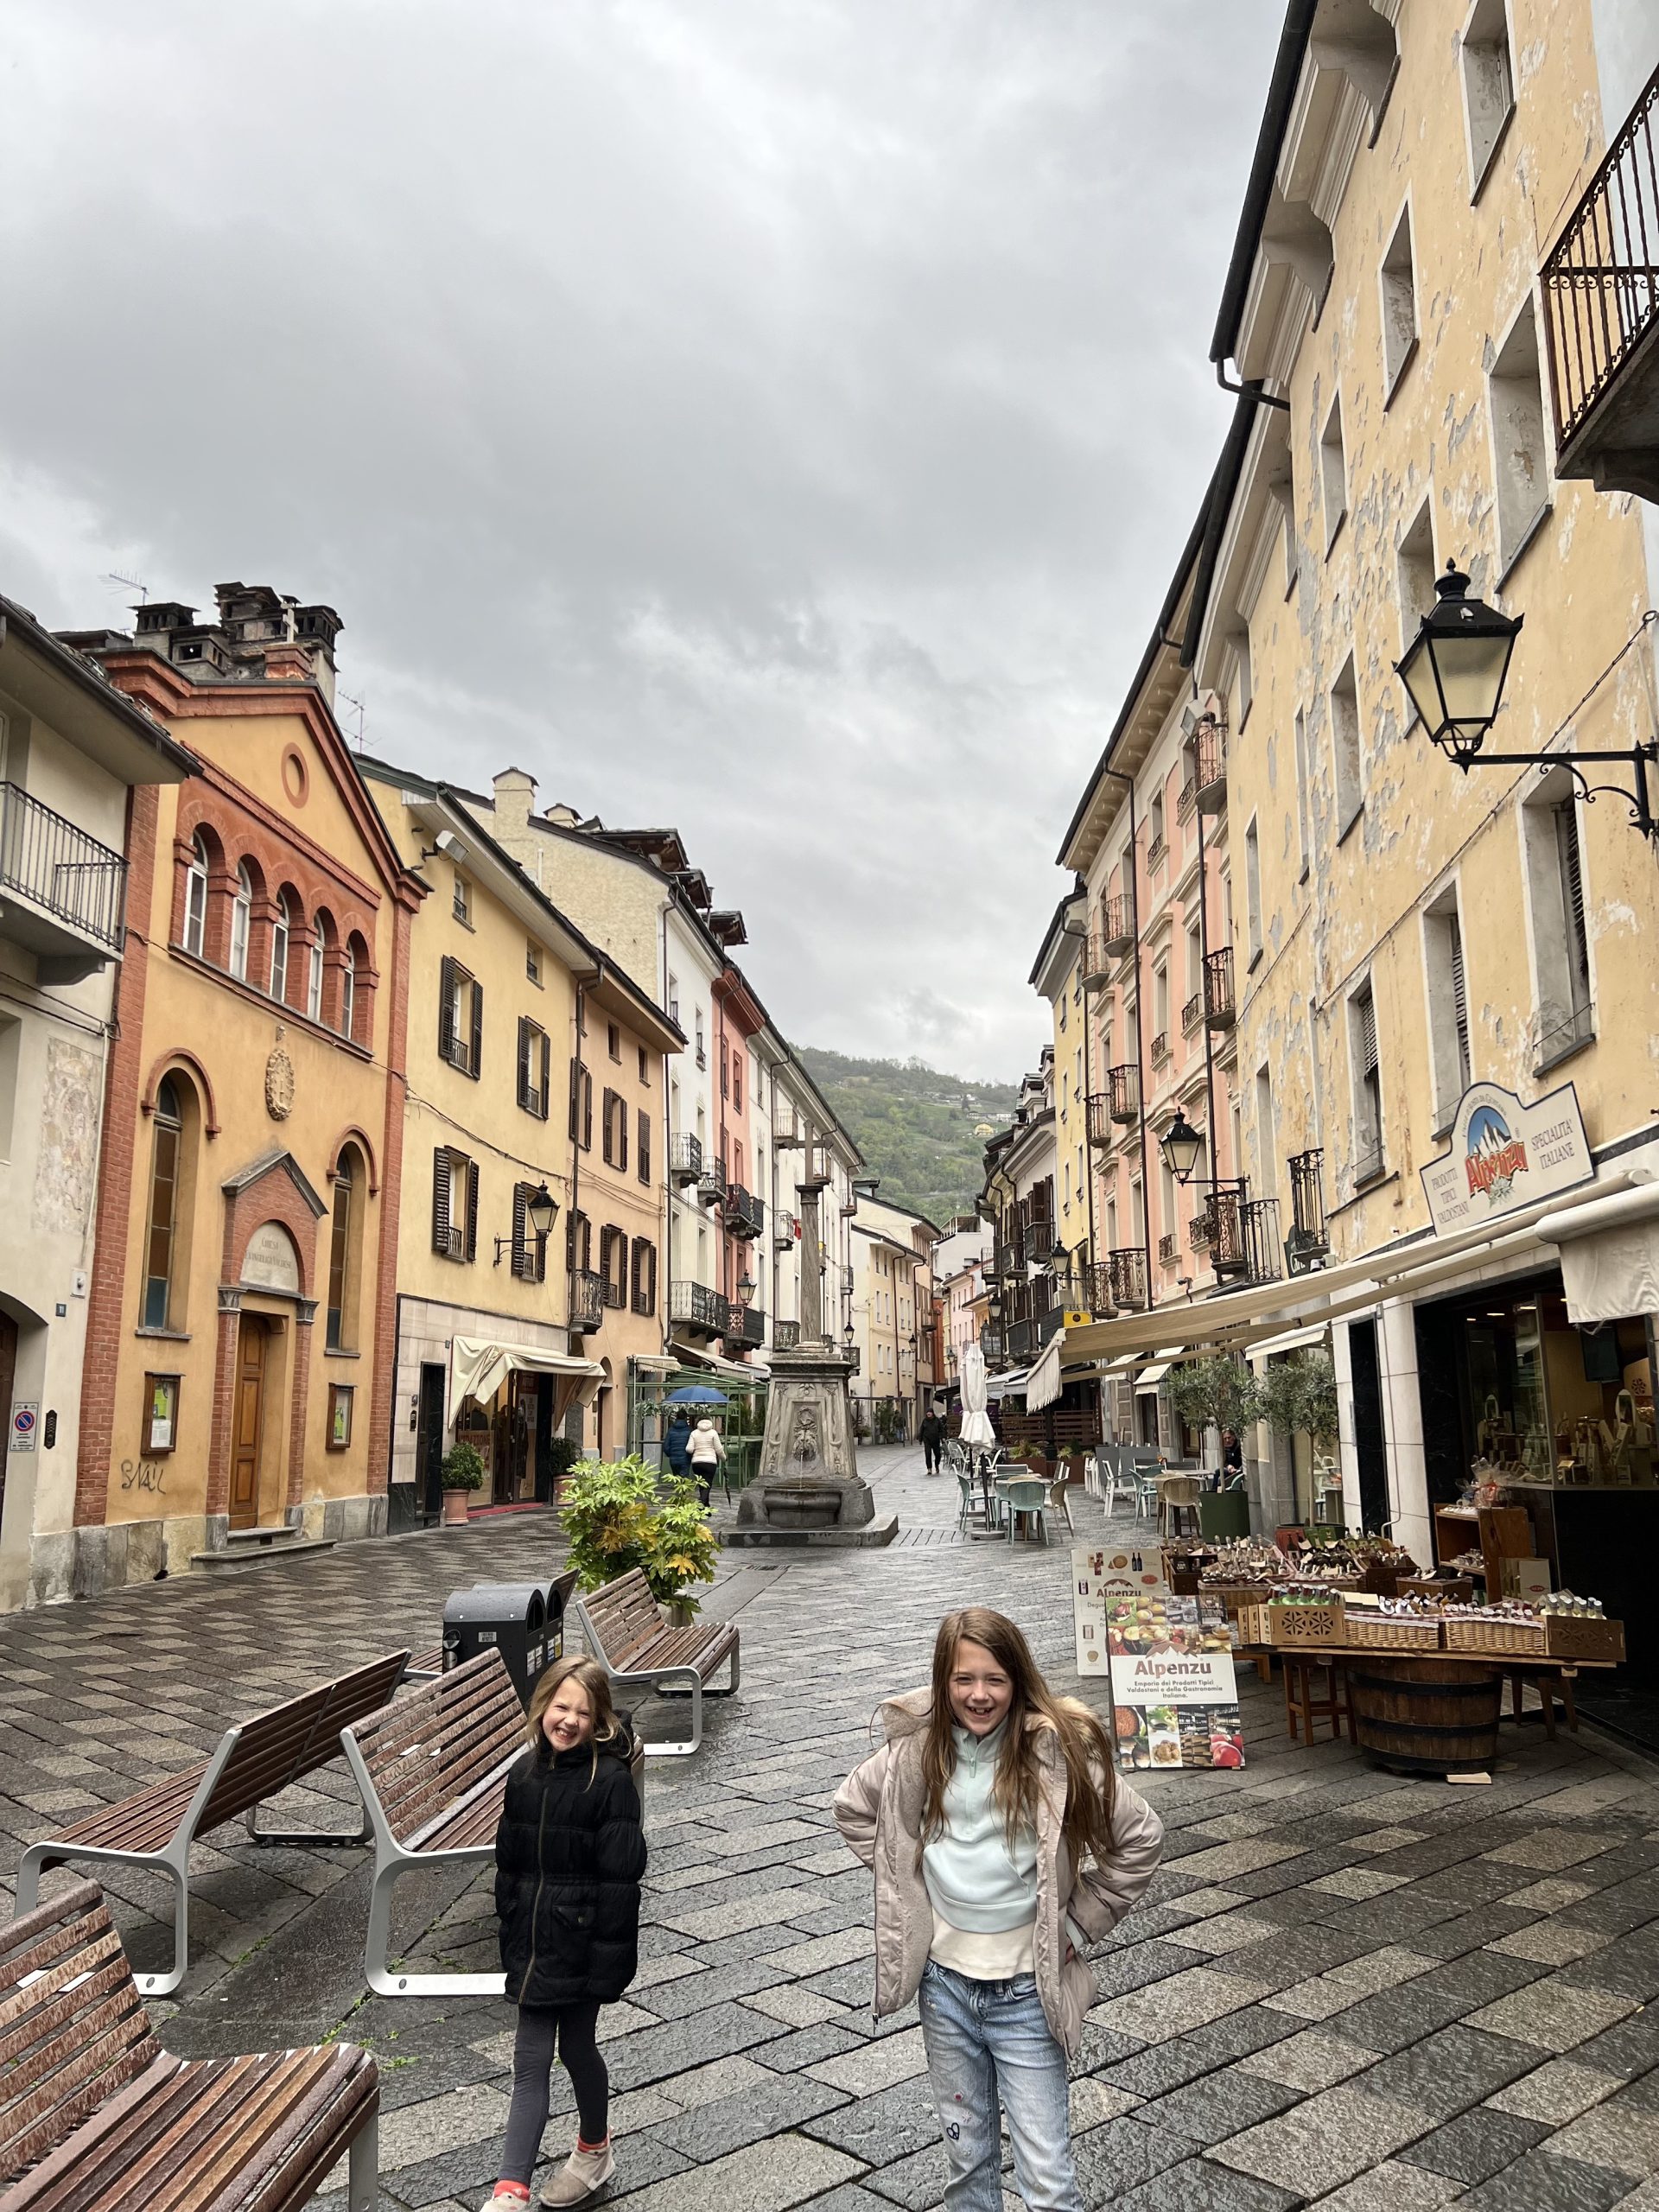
{"x": 878, "y": 1812}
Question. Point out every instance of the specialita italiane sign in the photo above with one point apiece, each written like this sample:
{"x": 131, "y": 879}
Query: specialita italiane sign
{"x": 1503, "y": 1155}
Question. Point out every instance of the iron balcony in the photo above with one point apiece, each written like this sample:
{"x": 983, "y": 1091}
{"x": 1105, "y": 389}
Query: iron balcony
{"x": 67, "y": 892}
{"x": 694, "y": 1306}
{"x": 746, "y": 1215}
{"x": 1126, "y": 1275}
{"x": 684, "y": 1160}
{"x": 587, "y": 1301}
{"x": 1218, "y": 1008}
{"x": 1211, "y": 773}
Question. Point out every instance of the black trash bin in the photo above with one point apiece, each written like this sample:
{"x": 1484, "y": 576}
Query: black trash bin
{"x": 507, "y": 1617}
{"x": 556, "y": 1596}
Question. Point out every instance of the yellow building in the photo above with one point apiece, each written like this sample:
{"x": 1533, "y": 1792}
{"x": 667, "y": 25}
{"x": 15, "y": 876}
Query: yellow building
{"x": 535, "y": 1074}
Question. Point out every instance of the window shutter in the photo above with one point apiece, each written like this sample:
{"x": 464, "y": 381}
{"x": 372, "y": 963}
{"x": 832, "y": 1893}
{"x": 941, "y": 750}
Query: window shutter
{"x": 1365, "y": 1012}
{"x": 471, "y": 1209}
{"x": 440, "y": 1200}
{"x": 651, "y": 1281}
{"x": 520, "y": 1237}
{"x": 1567, "y": 841}
{"x": 570, "y": 1221}
{"x": 1459, "y": 995}
{"x": 478, "y": 1029}
{"x": 636, "y": 1275}
{"x": 587, "y": 1115}
{"x": 547, "y": 1072}
{"x": 446, "y": 1009}
{"x": 608, "y": 1128}
{"x": 621, "y": 1134}
{"x": 575, "y": 1098}
{"x": 644, "y": 1147}
{"x": 525, "y": 1097}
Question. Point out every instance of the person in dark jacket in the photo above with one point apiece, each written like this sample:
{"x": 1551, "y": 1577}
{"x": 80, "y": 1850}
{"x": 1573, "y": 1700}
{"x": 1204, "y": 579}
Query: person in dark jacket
{"x": 677, "y": 1445}
{"x": 931, "y": 1435}
{"x": 569, "y": 1856}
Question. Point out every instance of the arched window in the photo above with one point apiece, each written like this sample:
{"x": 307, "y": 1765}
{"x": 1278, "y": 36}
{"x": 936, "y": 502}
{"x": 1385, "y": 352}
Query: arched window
{"x": 241, "y": 922}
{"x": 281, "y": 925}
{"x": 195, "y": 896}
{"x": 167, "y": 1242}
{"x": 345, "y": 1249}
{"x": 348, "y": 992}
{"x": 314, "y": 976}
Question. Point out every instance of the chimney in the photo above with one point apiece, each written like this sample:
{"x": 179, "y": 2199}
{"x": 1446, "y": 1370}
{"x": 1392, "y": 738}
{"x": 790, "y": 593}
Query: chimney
{"x": 514, "y": 795}
{"x": 562, "y": 817}
{"x": 268, "y": 634}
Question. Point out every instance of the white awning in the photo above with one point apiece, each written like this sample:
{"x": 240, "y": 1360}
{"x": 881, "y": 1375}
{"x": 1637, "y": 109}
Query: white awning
{"x": 1293, "y": 1341}
{"x": 1610, "y": 1254}
{"x": 1009, "y": 1384}
{"x": 1044, "y": 1385}
{"x": 694, "y": 1356}
{"x": 478, "y": 1368}
{"x": 1150, "y": 1377}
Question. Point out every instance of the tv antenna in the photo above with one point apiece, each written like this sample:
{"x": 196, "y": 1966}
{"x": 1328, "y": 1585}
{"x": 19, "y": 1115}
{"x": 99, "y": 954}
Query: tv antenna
{"x": 361, "y": 706}
{"x": 132, "y": 583}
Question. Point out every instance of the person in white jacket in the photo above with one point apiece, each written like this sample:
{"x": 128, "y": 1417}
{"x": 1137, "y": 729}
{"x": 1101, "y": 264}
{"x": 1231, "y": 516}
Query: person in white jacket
{"x": 1001, "y": 1844}
{"x": 704, "y": 1452}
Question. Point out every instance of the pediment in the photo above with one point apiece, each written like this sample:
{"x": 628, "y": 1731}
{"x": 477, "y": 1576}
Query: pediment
{"x": 275, "y": 1163}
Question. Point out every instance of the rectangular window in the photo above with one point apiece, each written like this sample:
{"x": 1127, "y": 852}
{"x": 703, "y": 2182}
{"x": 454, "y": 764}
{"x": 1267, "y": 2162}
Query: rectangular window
{"x": 702, "y": 1054}
{"x": 725, "y": 1076}
{"x": 460, "y": 1018}
{"x": 644, "y": 1065}
{"x": 737, "y": 1082}
{"x": 642, "y": 1145}
{"x": 163, "y": 1223}
{"x": 581, "y": 1106}
{"x": 1488, "y": 86}
{"x": 1448, "y": 1006}
{"x": 1304, "y": 840}
{"x": 1519, "y": 453}
{"x": 1561, "y": 937}
{"x": 1266, "y": 1142}
{"x": 1243, "y": 690}
{"x": 1344, "y": 746}
{"x": 613, "y": 1130}
{"x": 614, "y": 1040}
{"x": 455, "y": 1204}
{"x": 528, "y": 1251}
{"x": 1397, "y": 284}
{"x": 613, "y": 1265}
{"x": 535, "y": 1068}
{"x": 461, "y": 903}
{"x": 642, "y": 1276}
{"x": 1333, "y": 473}
{"x": 533, "y": 961}
{"x": 160, "y": 1431}
{"x": 1367, "y": 1087}
{"x": 1414, "y": 570}
{"x": 340, "y": 1397}
{"x": 1253, "y": 891}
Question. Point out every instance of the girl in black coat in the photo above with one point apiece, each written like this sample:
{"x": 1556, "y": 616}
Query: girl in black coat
{"x": 569, "y": 1854}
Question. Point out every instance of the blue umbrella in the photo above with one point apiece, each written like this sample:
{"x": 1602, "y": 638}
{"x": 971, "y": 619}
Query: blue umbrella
{"x": 695, "y": 1394}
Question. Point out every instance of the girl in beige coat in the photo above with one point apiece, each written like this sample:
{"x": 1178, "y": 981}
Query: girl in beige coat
{"x": 999, "y": 1846}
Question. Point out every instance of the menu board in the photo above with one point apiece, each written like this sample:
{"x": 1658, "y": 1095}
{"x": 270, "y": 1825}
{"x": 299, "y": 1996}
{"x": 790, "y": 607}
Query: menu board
{"x": 1174, "y": 1696}
{"x": 1099, "y": 1576}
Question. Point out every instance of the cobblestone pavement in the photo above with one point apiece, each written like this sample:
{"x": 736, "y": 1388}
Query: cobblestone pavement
{"x": 1346, "y": 1989}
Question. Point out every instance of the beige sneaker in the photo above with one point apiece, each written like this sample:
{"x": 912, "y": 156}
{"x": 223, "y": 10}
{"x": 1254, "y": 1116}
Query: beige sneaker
{"x": 500, "y": 2200}
{"x": 583, "y": 2172}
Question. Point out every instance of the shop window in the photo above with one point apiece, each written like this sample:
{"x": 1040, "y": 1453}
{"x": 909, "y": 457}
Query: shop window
{"x": 1367, "y": 1087}
{"x": 614, "y": 1131}
{"x": 642, "y": 1276}
{"x": 1414, "y": 570}
{"x": 455, "y": 1204}
{"x": 282, "y": 931}
{"x": 581, "y": 1106}
{"x": 345, "y": 1248}
{"x": 341, "y": 1397}
{"x": 159, "y": 1431}
{"x": 1561, "y": 939}
{"x": 528, "y": 1251}
{"x": 1397, "y": 285}
{"x": 613, "y": 1264}
{"x": 171, "y": 1184}
{"x": 460, "y": 1018}
{"x": 1488, "y": 86}
{"x": 535, "y": 1068}
{"x": 1344, "y": 748}
{"x": 195, "y": 897}
{"x": 1448, "y": 1006}
{"x": 241, "y": 923}
{"x": 1253, "y": 891}
{"x": 1520, "y": 457}
{"x": 1333, "y": 473}
{"x": 642, "y": 1146}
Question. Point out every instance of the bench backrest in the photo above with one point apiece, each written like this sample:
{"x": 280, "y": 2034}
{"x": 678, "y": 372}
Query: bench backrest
{"x": 434, "y": 1745}
{"x": 72, "y": 2027}
{"x": 623, "y": 1615}
{"x": 276, "y": 1749}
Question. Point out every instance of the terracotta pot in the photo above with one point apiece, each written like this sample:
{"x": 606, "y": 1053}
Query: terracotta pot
{"x": 455, "y": 1509}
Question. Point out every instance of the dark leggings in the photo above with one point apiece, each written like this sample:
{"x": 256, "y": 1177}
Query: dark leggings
{"x": 541, "y": 2032}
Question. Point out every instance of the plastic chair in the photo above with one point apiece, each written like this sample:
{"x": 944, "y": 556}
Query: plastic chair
{"x": 1024, "y": 1496}
{"x": 973, "y": 1503}
{"x": 1110, "y": 1481}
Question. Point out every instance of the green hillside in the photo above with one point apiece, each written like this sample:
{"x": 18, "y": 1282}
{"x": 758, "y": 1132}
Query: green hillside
{"x": 914, "y": 1126}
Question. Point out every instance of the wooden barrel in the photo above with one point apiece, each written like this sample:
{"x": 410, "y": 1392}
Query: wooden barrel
{"x": 1425, "y": 1716}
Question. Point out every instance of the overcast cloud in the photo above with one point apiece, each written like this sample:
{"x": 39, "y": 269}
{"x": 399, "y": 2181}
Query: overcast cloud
{"x": 775, "y": 417}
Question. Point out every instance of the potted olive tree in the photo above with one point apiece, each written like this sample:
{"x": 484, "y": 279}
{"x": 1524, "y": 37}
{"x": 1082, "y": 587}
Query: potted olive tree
{"x": 459, "y": 1473}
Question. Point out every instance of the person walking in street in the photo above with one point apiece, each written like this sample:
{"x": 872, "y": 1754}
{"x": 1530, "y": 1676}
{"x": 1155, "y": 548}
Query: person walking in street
{"x": 705, "y": 1452}
{"x": 931, "y": 1433}
{"x": 676, "y": 1444}
{"x": 569, "y": 1856}
{"x": 999, "y": 1846}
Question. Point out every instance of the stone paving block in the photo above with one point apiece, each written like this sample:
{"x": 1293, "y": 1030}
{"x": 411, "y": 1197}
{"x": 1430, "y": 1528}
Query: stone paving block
{"x": 1551, "y": 1849}
{"x": 1197, "y": 2185}
{"x": 1392, "y": 2187}
{"x": 1181, "y": 2001}
{"x": 1311, "y": 2060}
{"x": 1476, "y": 2145}
{"x": 1393, "y": 2018}
{"x": 1626, "y": 1968}
{"x": 888, "y": 2125}
{"x": 711, "y": 2130}
{"x": 1619, "y": 2134}
{"x": 1164, "y": 2066}
{"x": 917, "y": 2182}
{"x": 771, "y": 1909}
{"x": 1228, "y": 1931}
{"x": 1539, "y": 2183}
{"x": 875, "y": 2066}
{"x": 1325, "y": 2141}
{"x": 1556, "y": 2092}
{"x": 1091, "y": 2102}
{"x": 1551, "y": 1894}
{"x": 1124, "y": 2153}
{"x": 798, "y": 2006}
{"x": 675, "y": 2047}
{"x": 851, "y": 2196}
{"x": 1219, "y": 2105}
{"x": 819, "y": 1953}
{"x": 1553, "y": 2016}
{"x": 1358, "y": 1882}
{"x": 691, "y": 1994}
{"x": 811, "y": 2046}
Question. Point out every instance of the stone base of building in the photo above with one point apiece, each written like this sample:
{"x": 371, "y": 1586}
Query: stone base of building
{"x": 833, "y": 1538}
{"x": 67, "y": 1563}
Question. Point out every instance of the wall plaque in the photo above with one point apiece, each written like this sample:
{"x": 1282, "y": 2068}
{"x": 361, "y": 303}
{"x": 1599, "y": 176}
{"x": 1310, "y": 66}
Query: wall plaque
{"x": 271, "y": 1262}
{"x": 1504, "y": 1154}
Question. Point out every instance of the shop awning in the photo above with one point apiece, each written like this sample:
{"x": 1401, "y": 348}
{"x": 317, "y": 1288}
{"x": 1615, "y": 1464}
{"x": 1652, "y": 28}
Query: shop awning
{"x": 1043, "y": 1384}
{"x": 694, "y": 1356}
{"x": 478, "y": 1366}
{"x": 1010, "y": 1384}
{"x": 1293, "y": 1341}
{"x": 1150, "y": 1377}
{"x": 1610, "y": 1254}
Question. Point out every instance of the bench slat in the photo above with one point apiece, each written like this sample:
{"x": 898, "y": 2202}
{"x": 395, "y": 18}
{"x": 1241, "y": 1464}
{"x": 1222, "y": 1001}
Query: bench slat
{"x": 439, "y": 1745}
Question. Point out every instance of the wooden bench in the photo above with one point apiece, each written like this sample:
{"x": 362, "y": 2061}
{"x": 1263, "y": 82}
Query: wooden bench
{"x": 155, "y": 1828}
{"x": 624, "y": 1629}
{"x": 96, "y": 2117}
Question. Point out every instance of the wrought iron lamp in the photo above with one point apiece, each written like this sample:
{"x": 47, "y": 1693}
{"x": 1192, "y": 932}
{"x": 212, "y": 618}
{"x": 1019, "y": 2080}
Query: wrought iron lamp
{"x": 1182, "y": 1147}
{"x": 744, "y": 1288}
{"x": 541, "y": 1211}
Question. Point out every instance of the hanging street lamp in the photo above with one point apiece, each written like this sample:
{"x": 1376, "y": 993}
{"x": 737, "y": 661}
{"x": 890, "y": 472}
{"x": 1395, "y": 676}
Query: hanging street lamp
{"x": 1454, "y": 670}
{"x": 744, "y": 1288}
{"x": 1182, "y": 1147}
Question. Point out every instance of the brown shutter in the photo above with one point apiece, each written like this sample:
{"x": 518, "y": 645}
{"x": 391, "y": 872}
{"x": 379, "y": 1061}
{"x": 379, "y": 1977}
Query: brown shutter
{"x": 446, "y": 1009}
{"x": 547, "y": 1072}
{"x": 587, "y": 1114}
{"x": 478, "y": 1029}
{"x": 525, "y": 1034}
{"x": 520, "y": 1234}
{"x": 440, "y": 1200}
{"x": 471, "y": 1209}
{"x": 575, "y": 1098}
{"x": 644, "y": 1148}
{"x": 650, "y": 1283}
{"x": 621, "y": 1134}
{"x": 636, "y": 1274}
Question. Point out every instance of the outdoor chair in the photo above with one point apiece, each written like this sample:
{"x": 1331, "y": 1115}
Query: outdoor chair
{"x": 974, "y": 1503}
{"x": 1023, "y": 1498}
{"x": 1111, "y": 1480}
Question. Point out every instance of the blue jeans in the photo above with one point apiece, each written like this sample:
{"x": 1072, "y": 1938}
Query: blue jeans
{"x": 990, "y": 2049}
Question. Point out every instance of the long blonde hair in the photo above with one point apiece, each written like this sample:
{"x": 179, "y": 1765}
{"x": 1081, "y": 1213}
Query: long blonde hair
{"x": 593, "y": 1678}
{"x": 1083, "y": 1743}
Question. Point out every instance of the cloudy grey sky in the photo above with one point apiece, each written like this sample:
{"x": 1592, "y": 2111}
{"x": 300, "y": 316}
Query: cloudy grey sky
{"x": 776, "y": 417}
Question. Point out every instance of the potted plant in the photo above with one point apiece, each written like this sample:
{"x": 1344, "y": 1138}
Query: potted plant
{"x": 619, "y": 1516}
{"x": 459, "y": 1473}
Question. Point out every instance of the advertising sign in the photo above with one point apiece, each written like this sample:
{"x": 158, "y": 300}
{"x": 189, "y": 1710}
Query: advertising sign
{"x": 1503, "y": 1155}
{"x": 1098, "y": 1576}
{"x": 1174, "y": 1695}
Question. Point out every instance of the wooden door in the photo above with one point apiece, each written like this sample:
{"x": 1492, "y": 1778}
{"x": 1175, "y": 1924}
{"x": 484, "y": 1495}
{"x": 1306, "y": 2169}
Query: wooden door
{"x": 248, "y": 1426}
{"x": 428, "y": 1437}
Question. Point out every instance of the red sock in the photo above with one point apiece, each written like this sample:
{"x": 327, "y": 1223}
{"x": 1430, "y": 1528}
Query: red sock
{"x": 513, "y": 2189}
{"x": 591, "y": 2147}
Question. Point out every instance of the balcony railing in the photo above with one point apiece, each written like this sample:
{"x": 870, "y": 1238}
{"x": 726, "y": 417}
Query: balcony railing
{"x": 1037, "y": 1242}
{"x": 684, "y": 1159}
{"x": 1007, "y": 1260}
{"x": 1187, "y": 802}
{"x": 746, "y": 1215}
{"x": 1160, "y": 1048}
{"x": 1210, "y": 751}
{"x": 1309, "y": 1239}
{"x": 1169, "y": 1247}
{"x": 785, "y": 1230}
{"x": 990, "y": 1342}
{"x": 1198, "y": 1234}
{"x": 587, "y": 1301}
{"x": 60, "y": 871}
{"x": 693, "y": 1305}
{"x": 1601, "y": 280}
{"x": 1111, "y": 938}
{"x": 1022, "y": 1339}
{"x": 1191, "y": 1013}
{"x": 1243, "y": 1241}
{"x": 711, "y": 1183}
{"x": 1218, "y": 1008}
{"x": 1127, "y": 1274}
{"x": 786, "y": 1336}
{"x": 748, "y": 1327}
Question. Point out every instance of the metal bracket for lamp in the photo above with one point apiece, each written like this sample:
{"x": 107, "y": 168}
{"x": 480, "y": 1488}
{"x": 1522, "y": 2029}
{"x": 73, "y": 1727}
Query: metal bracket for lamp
{"x": 1638, "y": 758}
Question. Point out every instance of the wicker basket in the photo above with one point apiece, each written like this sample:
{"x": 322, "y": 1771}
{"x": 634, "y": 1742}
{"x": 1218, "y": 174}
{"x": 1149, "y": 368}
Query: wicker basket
{"x": 1509, "y": 1639}
{"x": 1568, "y": 1637}
{"x": 1387, "y": 1632}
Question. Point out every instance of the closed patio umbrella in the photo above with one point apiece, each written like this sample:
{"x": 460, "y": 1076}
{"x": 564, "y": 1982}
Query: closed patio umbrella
{"x": 976, "y": 1422}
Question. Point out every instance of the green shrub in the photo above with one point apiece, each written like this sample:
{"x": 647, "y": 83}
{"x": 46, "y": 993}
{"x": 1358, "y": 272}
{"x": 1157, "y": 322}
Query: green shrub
{"x": 1298, "y": 1395}
{"x": 619, "y": 1515}
{"x": 1223, "y": 1391}
{"x": 463, "y": 1467}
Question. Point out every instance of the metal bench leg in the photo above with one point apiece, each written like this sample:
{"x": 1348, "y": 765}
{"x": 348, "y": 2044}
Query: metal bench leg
{"x": 30, "y": 1867}
{"x": 363, "y": 2168}
{"x": 163, "y": 1985}
{"x": 681, "y": 1749}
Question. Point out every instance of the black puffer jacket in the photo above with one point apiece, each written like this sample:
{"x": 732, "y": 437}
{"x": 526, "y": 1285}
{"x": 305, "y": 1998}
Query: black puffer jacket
{"x": 569, "y": 1854}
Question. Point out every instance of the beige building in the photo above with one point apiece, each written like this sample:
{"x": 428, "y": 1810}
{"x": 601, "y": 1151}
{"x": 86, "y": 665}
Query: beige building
{"x": 890, "y": 1310}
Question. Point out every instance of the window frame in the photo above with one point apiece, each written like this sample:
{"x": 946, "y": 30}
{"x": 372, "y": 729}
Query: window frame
{"x": 198, "y": 871}
{"x": 535, "y": 1089}
{"x": 450, "y": 1240}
